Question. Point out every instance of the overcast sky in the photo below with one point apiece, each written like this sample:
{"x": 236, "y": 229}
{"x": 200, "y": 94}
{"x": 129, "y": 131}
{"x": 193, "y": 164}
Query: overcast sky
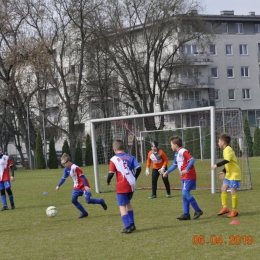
{"x": 241, "y": 7}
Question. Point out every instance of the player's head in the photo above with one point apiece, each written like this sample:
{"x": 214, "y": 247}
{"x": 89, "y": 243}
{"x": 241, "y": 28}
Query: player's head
{"x": 65, "y": 160}
{"x": 176, "y": 142}
{"x": 118, "y": 146}
{"x": 224, "y": 140}
{"x": 154, "y": 146}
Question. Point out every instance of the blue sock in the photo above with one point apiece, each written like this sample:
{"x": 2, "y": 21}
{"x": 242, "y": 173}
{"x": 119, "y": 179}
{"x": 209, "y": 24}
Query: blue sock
{"x": 3, "y": 198}
{"x": 80, "y": 207}
{"x": 94, "y": 201}
{"x": 11, "y": 198}
{"x": 194, "y": 204}
{"x": 125, "y": 220}
{"x": 186, "y": 206}
{"x": 131, "y": 216}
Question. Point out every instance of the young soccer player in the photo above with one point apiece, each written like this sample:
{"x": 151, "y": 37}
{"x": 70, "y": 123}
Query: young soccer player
{"x": 123, "y": 165}
{"x": 159, "y": 160}
{"x": 5, "y": 185}
{"x": 81, "y": 185}
{"x": 231, "y": 176}
{"x": 185, "y": 163}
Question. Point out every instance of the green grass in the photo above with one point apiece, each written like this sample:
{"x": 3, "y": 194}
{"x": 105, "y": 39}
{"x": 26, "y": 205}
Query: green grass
{"x": 27, "y": 233}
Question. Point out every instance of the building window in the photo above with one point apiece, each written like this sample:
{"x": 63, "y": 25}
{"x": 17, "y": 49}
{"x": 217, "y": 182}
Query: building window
{"x": 185, "y": 95}
{"x": 229, "y": 49}
{"x": 217, "y": 94}
{"x": 239, "y": 28}
{"x": 188, "y": 49}
{"x": 197, "y": 95}
{"x": 212, "y": 49}
{"x": 257, "y": 28}
{"x": 230, "y": 72}
{"x": 245, "y": 72}
{"x": 231, "y": 94}
{"x": 214, "y": 72}
{"x": 246, "y": 93}
{"x": 243, "y": 49}
{"x": 224, "y": 27}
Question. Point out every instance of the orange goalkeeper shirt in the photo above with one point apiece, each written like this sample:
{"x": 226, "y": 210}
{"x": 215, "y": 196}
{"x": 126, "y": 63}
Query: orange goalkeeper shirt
{"x": 159, "y": 159}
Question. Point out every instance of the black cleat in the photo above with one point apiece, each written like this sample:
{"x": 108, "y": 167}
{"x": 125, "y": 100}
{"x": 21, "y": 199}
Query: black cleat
{"x": 126, "y": 230}
{"x": 184, "y": 217}
{"x": 12, "y": 206}
{"x": 83, "y": 215}
{"x": 132, "y": 227}
{"x": 197, "y": 214}
{"x": 103, "y": 204}
{"x": 4, "y": 208}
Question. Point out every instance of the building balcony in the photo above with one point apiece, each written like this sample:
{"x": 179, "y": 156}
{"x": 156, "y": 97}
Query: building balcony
{"x": 199, "y": 82}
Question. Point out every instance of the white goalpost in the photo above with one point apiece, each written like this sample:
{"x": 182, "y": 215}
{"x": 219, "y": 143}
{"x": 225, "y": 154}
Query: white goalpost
{"x": 120, "y": 127}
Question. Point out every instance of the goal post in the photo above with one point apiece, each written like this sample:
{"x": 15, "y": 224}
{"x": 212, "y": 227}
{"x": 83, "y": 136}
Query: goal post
{"x": 121, "y": 127}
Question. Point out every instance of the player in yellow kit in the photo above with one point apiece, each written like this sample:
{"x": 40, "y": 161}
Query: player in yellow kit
{"x": 231, "y": 176}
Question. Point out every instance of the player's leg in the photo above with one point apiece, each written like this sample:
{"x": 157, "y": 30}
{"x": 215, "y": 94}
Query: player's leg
{"x": 233, "y": 186}
{"x": 224, "y": 197}
{"x": 122, "y": 200}
{"x": 90, "y": 200}
{"x": 130, "y": 212}
{"x": 74, "y": 200}
{"x": 3, "y": 196}
{"x": 7, "y": 185}
{"x": 167, "y": 186}
{"x": 155, "y": 176}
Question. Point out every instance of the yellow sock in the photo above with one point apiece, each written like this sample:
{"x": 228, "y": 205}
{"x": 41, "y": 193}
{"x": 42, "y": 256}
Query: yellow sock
{"x": 234, "y": 201}
{"x": 224, "y": 198}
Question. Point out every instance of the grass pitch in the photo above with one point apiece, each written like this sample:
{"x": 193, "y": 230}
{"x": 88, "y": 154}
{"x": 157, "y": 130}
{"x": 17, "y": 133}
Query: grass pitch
{"x": 27, "y": 233}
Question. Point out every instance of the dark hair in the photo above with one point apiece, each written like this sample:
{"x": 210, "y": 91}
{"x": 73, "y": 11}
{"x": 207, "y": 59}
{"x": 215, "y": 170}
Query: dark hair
{"x": 118, "y": 145}
{"x": 176, "y": 139}
{"x": 226, "y": 138}
{"x": 155, "y": 143}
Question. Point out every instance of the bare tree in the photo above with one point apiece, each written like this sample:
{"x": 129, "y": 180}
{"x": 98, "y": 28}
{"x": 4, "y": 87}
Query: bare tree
{"x": 144, "y": 40}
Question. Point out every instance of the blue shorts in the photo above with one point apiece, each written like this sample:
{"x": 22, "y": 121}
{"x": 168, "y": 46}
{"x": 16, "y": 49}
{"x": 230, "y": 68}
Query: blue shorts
{"x": 77, "y": 193}
{"x": 232, "y": 183}
{"x": 188, "y": 185}
{"x": 124, "y": 198}
{"x": 5, "y": 185}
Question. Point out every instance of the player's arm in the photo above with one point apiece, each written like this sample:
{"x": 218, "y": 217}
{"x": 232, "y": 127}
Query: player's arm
{"x": 137, "y": 172}
{"x": 165, "y": 159}
{"x": 85, "y": 181}
{"x": 172, "y": 168}
{"x": 109, "y": 177}
{"x": 63, "y": 179}
{"x": 219, "y": 164}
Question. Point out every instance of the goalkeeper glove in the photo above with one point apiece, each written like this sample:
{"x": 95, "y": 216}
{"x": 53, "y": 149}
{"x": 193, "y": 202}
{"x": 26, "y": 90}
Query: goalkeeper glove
{"x": 161, "y": 171}
{"x": 147, "y": 171}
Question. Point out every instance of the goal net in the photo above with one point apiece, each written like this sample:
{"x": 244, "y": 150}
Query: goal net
{"x": 199, "y": 129}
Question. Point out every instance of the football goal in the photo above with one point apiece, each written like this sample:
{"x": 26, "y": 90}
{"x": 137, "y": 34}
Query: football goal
{"x": 199, "y": 129}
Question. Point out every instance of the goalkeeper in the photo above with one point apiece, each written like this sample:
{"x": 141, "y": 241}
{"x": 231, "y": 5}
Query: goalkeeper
{"x": 159, "y": 160}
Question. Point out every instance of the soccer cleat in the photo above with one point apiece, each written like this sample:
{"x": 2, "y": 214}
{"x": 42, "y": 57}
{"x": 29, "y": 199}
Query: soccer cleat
{"x": 103, "y": 204}
{"x": 12, "y": 206}
{"x": 153, "y": 197}
{"x": 233, "y": 214}
{"x": 197, "y": 214}
{"x": 4, "y": 208}
{"x": 168, "y": 195}
{"x": 126, "y": 230}
{"x": 83, "y": 215}
{"x": 223, "y": 211}
{"x": 184, "y": 217}
{"x": 132, "y": 227}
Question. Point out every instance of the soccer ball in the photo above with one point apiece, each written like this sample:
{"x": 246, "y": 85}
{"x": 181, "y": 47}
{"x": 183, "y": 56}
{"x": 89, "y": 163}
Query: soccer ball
{"x": 51, "y": 211}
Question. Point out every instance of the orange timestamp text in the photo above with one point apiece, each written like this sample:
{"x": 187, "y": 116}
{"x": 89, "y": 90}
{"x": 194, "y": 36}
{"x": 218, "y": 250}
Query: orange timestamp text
{"x": 218, "y": 240}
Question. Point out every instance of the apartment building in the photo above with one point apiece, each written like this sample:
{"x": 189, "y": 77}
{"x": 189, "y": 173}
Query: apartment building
{"x": 235, "y": 62}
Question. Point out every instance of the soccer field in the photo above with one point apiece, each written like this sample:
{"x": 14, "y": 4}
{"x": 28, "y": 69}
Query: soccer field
{"x": 27, "y": 233}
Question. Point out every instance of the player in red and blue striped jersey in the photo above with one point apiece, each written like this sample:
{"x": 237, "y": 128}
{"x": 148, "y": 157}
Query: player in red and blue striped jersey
{"x": 81, "y": 185}
{"x": 127, "y": 170}
{"x": 5, "y": 184}
{"x": 185, "y": 163}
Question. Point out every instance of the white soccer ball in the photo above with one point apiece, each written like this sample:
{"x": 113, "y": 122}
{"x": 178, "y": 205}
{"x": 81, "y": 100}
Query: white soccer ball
{"x": 51, "y": 211}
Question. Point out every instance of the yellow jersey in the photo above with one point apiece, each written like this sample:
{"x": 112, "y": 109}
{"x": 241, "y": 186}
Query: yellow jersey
{"x": 232, "y": 168}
